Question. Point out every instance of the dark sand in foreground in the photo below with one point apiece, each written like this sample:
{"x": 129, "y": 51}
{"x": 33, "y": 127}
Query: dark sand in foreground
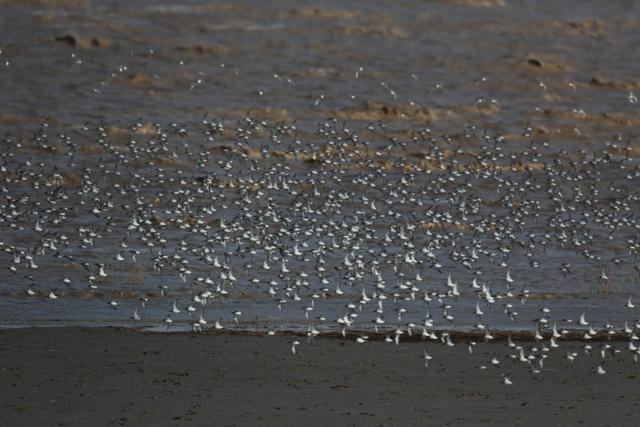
{"x": 72, "y": 376}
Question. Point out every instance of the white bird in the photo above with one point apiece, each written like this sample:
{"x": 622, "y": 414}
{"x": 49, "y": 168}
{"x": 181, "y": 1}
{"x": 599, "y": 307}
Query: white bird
{"x": 470, "y": 347}
{"x": 479, "y": 312}
{"x": 449, "y": 342}
{"x": 426, "y": 357}
{"x": 236, "y": 314}
{"x": 293, "y": 347}
{"x": 284, "y": 268}
{"x": 555, "y": 332}
{"x": 603, "y": 352}
{"x": 583, "y": 321}
{"x": 508, "y": 278}
{"x": 603, "y": 275}
{"x": 175, "y": 309}
{"x": 601, "y": 371}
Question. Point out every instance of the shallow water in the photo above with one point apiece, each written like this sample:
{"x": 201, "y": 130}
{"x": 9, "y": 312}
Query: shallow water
{"x": 548, "y": 77}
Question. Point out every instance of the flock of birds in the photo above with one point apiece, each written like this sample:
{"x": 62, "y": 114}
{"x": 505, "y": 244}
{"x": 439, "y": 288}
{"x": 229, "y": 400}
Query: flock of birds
{"x": 374, "y": 231}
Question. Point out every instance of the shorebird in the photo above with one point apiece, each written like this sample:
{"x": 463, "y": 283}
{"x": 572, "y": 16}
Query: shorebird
{"x": 582, "y": 320}
{"x": 427, "y": 358}
{"x": 293, "y": 347}
{"x": 236, "y": 314}
{"x": 630, "y": 304}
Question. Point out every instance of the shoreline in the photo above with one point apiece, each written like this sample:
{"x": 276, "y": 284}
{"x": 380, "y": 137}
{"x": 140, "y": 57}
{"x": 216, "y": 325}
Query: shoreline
{"x": 516, "y": 335}
{"x": 114, "y": 376}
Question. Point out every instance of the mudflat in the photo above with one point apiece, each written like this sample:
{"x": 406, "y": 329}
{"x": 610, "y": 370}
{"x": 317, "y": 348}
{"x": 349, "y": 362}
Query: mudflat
{"x": 110, "y": 376}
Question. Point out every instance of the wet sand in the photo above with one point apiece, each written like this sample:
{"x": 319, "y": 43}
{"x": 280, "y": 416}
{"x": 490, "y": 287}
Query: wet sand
{"x": 73, "y": 376}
